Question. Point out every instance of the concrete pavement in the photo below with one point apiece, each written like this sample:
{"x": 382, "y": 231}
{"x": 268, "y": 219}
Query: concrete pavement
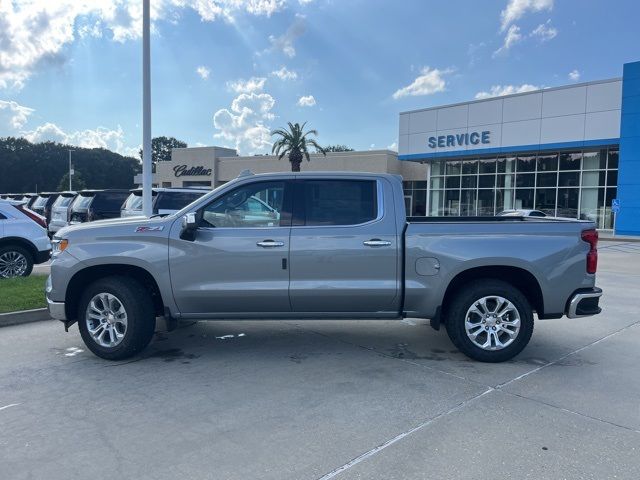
{"x": 344, "y": 400}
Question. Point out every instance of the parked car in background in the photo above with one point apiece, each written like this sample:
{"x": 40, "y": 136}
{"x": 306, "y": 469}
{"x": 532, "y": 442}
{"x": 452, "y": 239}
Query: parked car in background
{"x": 60, "y": 211}
{"x": 30, "y": 199}
{"x": 165, "y": 200}
{"x": 327, "y": 245}
{"x": 42, "y": 204}
{"x": 92, "y": 205}
{"x": 23, "y": 241}
{"x": 522, "y": 212}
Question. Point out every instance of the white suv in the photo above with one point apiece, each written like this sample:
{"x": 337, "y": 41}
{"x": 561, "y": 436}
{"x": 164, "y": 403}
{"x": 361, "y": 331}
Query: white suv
{"x": 23, "y": 242}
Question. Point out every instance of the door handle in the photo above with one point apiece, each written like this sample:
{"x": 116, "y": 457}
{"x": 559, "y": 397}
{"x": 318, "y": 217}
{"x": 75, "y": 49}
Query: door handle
{"x": 270, "y": 244}
{"x": 376, "y": 242}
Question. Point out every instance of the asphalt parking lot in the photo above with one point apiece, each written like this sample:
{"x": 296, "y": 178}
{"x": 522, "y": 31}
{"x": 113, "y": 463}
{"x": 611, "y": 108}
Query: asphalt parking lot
{"x": 321, "y": 400}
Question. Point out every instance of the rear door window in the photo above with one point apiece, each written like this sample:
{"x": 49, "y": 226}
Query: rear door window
{"x": 109, "y": 201}
{"x": 176, "y": 200}
{"x": 339, "y": 202}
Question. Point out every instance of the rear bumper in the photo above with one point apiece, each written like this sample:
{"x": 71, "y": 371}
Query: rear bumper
{"x": 584, "y": 303}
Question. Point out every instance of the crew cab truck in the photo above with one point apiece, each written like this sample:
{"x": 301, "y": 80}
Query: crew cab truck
{"x": 321, "y": 246}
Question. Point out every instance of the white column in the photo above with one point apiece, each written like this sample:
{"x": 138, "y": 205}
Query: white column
{"x": 147, "y": 198}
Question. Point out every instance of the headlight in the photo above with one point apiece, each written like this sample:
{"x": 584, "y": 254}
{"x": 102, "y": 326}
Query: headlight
{"x": 58, "y": 245}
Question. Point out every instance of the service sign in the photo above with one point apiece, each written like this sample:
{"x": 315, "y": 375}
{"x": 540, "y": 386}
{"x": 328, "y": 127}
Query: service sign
{"x": 460, "y": 139}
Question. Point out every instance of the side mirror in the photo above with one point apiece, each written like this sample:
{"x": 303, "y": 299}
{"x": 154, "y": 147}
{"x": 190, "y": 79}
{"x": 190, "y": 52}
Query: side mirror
{"x": 189, "y": 227}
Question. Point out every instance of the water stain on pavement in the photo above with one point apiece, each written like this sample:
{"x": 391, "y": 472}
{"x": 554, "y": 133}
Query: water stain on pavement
{"x": 173, "y": 354}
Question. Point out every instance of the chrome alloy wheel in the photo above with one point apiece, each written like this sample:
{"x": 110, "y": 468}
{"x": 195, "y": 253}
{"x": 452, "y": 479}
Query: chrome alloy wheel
{"x": 106, "y": 320}
{"x": 13, "y": 264}
{"x": 492, "y": 323}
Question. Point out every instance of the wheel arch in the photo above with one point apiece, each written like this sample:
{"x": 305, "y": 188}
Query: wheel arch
{"x": 21, "y": 242}
{"x": 90, "y": 274}
{"x": 520, "y": 278}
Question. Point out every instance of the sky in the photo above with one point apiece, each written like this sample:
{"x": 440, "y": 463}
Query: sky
{"x": 227, "y": 72}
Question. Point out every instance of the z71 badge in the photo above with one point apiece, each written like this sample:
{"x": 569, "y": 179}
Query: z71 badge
{"x": 157, "y": 228}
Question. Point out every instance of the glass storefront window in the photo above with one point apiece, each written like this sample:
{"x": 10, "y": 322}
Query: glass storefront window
{"x": 570, "y": 160}
{"x": 526, "y": 163}
{"x": 436, "y": 198}
{"x": 568, "y": 199}
{"x": 576, "y": 184}
{"x": 469, "y": 167}
{"x": 569, "y": 179}
{"x": 485, "y": 203}
{"x": 451, "y": 203}
{"x": 468, "y": 203}
{"x": 487, "y": 165}
{"x": 506, "y": 165}
{"x": 548, "y": 163}
{"x": 546, "y": 200}
{"x": 453, "y": 168}
{"x": 469, "y": 181}
{"x": 525, "y": 180}
{"x": 524, "y": 198}
{"x": 547, "y": 180}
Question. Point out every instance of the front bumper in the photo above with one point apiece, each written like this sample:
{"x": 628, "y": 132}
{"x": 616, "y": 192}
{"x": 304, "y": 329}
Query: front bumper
{"x": 56, "y": 309}
{"x": 42, "y": 256}
{"x": 584, "y": 303}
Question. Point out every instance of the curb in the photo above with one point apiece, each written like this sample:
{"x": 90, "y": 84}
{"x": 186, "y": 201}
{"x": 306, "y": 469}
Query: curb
{"x": 24, "y": 316}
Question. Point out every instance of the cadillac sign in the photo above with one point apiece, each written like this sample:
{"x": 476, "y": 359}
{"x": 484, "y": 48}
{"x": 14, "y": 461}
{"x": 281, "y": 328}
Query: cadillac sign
{"x": 184, "y": 171}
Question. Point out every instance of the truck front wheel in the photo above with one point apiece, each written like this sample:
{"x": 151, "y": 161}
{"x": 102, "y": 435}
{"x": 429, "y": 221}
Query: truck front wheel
{"x": 489, "y": 320}
{"x": 116, "y": 317}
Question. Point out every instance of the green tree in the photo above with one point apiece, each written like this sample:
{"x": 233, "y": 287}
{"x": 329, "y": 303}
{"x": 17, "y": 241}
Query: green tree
{"x": 338, "y": 148}
{"x": 77, "y": 182}
{"x": 161, "y": 148}
{"x": 25, "y": 166}
{"x": 294, "y": 143}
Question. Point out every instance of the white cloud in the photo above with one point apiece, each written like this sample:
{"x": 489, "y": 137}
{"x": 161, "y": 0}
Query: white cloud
{"x": 203, "y": 71}
{"x": 545, "y": 31}
{"x": 574, "y": 75}
{"x": 516, "y": 9}
{"x": 254, "y": 84}
{"x": 393, "y": 147}
{"x": 284, "y": 74}
{"x": 36, "y": 33}
{"x": 499, "y": 90}
{"x": 429, "y": 81}
{"x": 512, "y": 37}
{"x": 100, "y": 137}
{"x": 284, "y": 42}
{"x": 245, "y": 123}
{"x": 306, "y": 101}
{"x": 13, "y": 115}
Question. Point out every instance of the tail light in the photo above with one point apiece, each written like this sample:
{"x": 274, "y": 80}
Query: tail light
{"x": 90, "y": 215}
{"x": 591, "y": 237}
{"x": 39, "y": 219}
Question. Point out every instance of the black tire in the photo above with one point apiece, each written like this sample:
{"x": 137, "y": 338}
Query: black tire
{"x": 466, "y": 298}
{"x": 20, "y": 251}
{"x": 138, "y": 305}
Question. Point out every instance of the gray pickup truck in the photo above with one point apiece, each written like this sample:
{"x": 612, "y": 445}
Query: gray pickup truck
{"x": 321, "y": 246}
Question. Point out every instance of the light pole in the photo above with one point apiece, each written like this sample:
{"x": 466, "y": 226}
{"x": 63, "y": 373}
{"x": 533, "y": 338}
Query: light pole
{"x": 70, "y": 169}
{"x": 146, "y": 111}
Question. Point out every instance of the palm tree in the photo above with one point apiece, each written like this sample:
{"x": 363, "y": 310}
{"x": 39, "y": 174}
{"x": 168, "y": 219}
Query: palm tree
{"x": 294, "y": 143}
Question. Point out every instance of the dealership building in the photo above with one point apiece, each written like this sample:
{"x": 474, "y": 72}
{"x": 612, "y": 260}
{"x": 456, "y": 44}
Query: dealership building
{"x": 571, "y": 151}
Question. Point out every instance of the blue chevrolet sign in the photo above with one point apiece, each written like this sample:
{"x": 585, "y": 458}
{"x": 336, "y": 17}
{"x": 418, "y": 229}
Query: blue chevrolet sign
{"x": 460, "y": 139}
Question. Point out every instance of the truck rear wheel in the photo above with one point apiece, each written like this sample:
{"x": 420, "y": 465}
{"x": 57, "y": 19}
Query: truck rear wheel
{"x": 116, "y": 317}
{"x": 489, "y": 320}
